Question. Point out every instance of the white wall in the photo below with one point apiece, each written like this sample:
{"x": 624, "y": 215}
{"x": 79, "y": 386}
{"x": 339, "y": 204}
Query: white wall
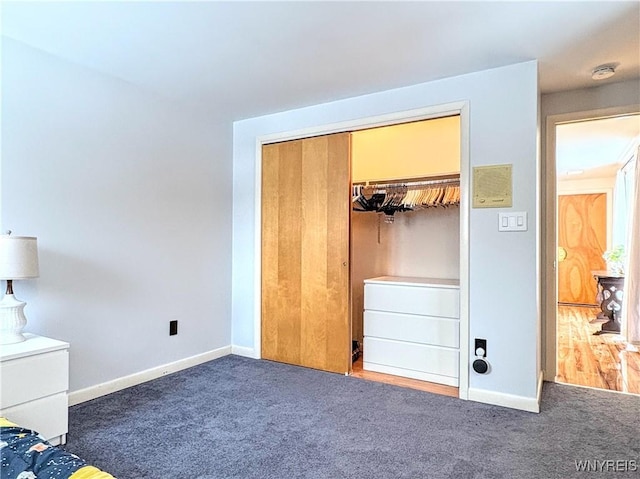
{"x": 585, "y": 186}
{"x": 425, "y": 243}
{"x": 369, "y": 259}
{"x": 604, "y": 96}
{"x": 129, "y": 197}
{"x": 504, "y": 282}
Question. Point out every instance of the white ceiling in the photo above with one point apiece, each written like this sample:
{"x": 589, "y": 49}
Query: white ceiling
{"x": 233, "y": 60}
{"x": 596, "y": 148}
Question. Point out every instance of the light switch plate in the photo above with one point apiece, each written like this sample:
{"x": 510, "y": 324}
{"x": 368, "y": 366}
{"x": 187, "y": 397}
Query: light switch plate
{"x": 512, "y": 221}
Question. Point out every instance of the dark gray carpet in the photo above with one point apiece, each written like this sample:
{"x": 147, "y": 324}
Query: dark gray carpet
{"x": 242, "y": 418}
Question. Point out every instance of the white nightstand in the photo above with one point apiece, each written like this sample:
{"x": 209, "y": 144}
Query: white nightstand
{"x": 34, "y": 380}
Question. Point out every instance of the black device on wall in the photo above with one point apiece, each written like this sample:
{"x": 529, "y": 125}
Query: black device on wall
{"x": 480, "y": 364}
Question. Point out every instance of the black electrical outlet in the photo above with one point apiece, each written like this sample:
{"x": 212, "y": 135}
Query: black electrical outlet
{"x": 173, "y": 327}
{"x": 480, "y": 343}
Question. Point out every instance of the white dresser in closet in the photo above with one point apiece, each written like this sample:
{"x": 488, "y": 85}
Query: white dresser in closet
{"x": 412, "y": 328}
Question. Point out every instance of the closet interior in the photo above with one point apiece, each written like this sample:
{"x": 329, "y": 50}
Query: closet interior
{"x": 367, "y": 282}
{"x": 405, "y": 247}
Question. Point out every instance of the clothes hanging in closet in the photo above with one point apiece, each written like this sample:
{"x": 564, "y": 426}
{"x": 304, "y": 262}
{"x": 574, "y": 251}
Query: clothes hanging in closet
{"x": 392, "y": 198}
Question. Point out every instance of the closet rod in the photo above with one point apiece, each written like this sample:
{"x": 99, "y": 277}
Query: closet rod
{"x": 424, "y": 181}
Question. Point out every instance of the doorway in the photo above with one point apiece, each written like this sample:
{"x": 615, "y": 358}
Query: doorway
{"x": 592, "y": 157}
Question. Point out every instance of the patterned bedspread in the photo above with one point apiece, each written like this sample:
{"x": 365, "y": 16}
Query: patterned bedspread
{"x": 25, "y": 455}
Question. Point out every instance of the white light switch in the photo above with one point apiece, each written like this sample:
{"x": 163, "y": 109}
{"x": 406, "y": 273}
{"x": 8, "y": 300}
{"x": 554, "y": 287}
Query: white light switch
{"x": 515, "y": 221}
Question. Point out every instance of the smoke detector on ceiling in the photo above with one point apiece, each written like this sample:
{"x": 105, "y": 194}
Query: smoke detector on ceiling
{"x": 603, "y": 72}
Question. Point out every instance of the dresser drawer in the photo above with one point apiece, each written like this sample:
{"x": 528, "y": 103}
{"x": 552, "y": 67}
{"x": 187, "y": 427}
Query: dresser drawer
{"x": 32, "y": 377}
{"x": 428, "y": 301}
{"x": 413, "y": 328}
{"x": 412, "y": 356}
{"x": 48, "y": 416}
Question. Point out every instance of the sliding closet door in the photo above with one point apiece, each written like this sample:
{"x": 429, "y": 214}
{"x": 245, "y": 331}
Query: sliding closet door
{"x": 306, "y": 207}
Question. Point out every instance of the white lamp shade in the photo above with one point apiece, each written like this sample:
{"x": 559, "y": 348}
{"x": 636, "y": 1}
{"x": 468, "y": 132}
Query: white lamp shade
{"x": 18, "y": 257}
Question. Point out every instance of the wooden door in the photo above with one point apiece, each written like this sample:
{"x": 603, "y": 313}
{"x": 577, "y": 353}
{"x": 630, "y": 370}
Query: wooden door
{"x": 582, "y": 239}
{"x": 306, "y": 207}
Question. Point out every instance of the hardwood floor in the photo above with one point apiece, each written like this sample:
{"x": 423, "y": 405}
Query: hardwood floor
{"x": 358, "y": 372}
{"x": 601, "y": 361}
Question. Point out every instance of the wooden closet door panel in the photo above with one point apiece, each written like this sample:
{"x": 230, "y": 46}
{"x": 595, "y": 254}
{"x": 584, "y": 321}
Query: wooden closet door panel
{"x": 269, "y": 249}
{"x": 314, "y": 252}
{"x": 582, "y": 233}
{"x": 305, "y": 252}
{"x": 281, "y": 267}
{"x": 339, "y": 237}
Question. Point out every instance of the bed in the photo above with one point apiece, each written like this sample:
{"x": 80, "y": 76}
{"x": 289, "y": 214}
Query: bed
{"x": 25, "y": 455}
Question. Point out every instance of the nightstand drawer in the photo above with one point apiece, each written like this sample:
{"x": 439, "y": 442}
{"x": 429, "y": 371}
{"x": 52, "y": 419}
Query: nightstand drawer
{"x": 48, "y": 416}
{"x": 33, "y": 377}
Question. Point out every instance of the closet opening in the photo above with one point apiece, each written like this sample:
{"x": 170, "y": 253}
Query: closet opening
{"x": 405, "y": 254}
{"x": 396, "y": 220}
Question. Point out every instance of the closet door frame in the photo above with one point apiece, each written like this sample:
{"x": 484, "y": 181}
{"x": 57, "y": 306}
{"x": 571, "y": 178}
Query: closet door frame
{"x": 429, "y": 112}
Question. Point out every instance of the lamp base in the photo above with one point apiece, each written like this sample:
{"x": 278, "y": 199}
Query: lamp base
{"x": 12, "y": 320}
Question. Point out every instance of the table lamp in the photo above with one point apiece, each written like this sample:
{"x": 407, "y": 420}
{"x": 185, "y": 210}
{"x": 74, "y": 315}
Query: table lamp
{"x": 18, "y": 260}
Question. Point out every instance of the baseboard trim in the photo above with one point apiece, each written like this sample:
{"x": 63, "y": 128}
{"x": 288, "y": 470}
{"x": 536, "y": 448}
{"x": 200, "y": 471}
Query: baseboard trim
{"x": 506, "y": 400}
{"x": 243, "y": 351}
{"x": 93, "y": 392}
